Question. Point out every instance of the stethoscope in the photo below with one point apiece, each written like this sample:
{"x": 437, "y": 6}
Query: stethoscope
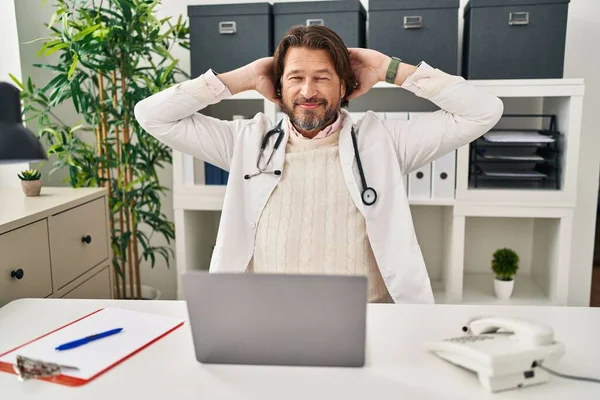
{"x": 368, "y": 194}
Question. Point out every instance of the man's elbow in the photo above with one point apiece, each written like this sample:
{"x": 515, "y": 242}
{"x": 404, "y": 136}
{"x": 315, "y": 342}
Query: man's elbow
{"x": 142, "y": 114}
{"x": 494, "y": 114}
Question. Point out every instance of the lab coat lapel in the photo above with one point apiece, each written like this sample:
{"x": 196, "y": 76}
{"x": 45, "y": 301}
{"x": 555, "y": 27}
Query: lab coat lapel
{"x": 260, "y": 187}
{"x": 347, "y": 158}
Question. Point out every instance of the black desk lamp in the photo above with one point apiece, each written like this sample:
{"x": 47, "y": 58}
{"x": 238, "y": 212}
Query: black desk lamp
{"x": 17, "y": 143}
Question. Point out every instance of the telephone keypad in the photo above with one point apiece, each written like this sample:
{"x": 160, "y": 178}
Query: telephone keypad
{"x": 469, "y": 339}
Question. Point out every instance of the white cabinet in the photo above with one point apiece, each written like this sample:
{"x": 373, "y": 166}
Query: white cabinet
{"x": 54, "y": 245}
{"x": 458, "y": 234}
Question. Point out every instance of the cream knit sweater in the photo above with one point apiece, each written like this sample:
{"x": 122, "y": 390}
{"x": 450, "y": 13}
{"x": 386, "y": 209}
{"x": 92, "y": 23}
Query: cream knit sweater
{"x": 310, "y": 224}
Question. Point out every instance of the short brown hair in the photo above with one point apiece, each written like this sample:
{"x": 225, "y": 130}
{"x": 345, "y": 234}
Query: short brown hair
{"x": 318, "y": 38}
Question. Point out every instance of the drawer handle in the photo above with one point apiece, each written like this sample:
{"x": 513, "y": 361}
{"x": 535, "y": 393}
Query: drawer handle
{"x": 420, "y": 175}
{"x": 518, "y": 18}
{"x": 413, "y": 22}
{"x": 17, "y": 274}
{"x": 318, "y": 22}
{"x": 87, "y": 239}
{"x": 227, "y": 27}
{"x": 444, "y": 175}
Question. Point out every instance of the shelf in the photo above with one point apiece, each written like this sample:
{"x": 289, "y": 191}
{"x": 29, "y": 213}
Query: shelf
{"x": 210, "y": 198}
{"x": 432, "y": 202}
{"x": 439, "y": 292}
{"x": 522, "y": 87}
{"x": 501, "y": 88}
{"x": 479, "y": 289}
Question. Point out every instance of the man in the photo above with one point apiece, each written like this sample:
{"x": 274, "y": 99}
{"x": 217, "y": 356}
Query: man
{"x": 298, "y": 207}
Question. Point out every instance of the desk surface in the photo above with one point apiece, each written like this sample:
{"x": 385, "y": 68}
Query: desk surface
{"x": 397, "y": 365}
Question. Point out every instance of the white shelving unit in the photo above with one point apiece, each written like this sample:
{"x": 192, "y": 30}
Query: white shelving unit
{"x": 457, "y": 236}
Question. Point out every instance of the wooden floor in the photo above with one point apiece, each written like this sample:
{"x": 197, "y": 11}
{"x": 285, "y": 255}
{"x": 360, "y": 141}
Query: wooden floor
{"x": 595, "y": 300}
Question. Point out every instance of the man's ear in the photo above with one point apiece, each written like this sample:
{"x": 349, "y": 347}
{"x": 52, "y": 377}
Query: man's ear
{"x": 343, "y": 91}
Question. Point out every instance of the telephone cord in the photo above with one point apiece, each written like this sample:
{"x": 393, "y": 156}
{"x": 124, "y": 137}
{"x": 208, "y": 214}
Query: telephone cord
{"x": 561, "y": 375}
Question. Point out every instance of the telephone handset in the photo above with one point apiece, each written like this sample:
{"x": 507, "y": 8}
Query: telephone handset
{"x": 504, "y": 352}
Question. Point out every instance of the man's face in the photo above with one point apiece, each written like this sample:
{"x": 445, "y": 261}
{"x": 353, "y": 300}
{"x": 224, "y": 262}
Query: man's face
{"x": 311, "y": 90}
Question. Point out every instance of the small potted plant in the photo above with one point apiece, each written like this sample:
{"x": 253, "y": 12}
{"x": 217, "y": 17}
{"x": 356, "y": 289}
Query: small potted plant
{"x": 31, "y": 182}
{"x": 505, "y": 265}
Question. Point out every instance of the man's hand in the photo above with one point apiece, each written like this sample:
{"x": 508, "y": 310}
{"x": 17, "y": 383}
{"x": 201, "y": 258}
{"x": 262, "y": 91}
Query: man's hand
{"x": 261, "y": 78}
{"x": 253, "y": 76}
{"x": 369, "y": 67}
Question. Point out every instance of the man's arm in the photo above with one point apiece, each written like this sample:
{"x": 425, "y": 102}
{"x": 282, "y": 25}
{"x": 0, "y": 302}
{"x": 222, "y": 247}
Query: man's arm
{"x": 466, "y": 112}
{"x": 172, "y": 115}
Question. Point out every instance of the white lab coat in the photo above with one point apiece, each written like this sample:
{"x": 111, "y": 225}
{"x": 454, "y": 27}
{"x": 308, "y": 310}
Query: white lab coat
{"x": 389, "y": 149}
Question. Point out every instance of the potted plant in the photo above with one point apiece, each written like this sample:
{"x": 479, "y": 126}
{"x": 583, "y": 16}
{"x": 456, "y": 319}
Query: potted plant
{"x": 505, "y": 264}
{"x": 107, "y": 56}
{"x": 30, "y": 182}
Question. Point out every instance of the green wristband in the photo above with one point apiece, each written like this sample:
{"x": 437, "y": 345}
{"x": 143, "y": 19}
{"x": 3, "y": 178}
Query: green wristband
{"x": 390, "y": 75}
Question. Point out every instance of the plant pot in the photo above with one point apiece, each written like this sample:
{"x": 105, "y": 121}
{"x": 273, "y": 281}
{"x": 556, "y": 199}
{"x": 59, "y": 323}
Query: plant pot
{"x": 503, "y": 289}
{"x": 31, "y": 188}
{"x": 148, "y": 292}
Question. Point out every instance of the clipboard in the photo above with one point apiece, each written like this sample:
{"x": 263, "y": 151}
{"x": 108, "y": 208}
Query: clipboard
{"x": 140, "y": 330}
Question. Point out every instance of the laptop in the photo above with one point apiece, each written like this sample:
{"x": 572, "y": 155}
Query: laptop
{"x": 277, "y": 319}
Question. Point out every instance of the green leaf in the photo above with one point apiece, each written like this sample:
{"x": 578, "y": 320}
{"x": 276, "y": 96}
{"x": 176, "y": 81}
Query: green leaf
{"x": 86, "y": 32}
{"x": 16, "y": 81}
{"x": 51, "y": 67}
{"x": 73, "y": 66}
{"x": 55, "y": 83}
{"x": 54, "y": 49}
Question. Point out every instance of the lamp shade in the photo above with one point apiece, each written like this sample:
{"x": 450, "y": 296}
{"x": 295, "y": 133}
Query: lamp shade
{"x": 17, "y": 143}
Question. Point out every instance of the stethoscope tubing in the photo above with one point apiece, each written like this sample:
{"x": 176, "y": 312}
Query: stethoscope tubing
{"x": 367, "y": 192}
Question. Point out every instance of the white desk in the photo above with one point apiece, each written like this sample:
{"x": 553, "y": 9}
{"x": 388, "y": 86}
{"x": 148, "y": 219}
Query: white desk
{"x": 397, "y": 366}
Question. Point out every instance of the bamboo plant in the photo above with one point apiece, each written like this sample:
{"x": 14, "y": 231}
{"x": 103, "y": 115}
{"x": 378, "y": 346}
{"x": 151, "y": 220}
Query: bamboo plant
{"x": 111, "y": 54}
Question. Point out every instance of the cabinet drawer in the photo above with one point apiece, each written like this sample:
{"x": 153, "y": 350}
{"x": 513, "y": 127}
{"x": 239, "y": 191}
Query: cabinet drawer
{"x": 96, "y": 287}
{"x": 25, "y": 251}
{"x": 71, "y": 254}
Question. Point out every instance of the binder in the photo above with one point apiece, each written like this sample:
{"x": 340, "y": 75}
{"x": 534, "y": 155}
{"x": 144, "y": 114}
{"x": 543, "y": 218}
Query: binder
{"x": 419, "y": 183}
{"x": 357, "y": 116}
{"x": 214, "y": 175}
{"x": 397, "y": 115}
{"x": 140, "y": 330}
{"x": 443, "y": 176}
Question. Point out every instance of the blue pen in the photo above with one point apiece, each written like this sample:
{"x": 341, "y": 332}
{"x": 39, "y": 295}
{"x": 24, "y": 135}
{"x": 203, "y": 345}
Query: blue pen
{"x": 81, "y": 342}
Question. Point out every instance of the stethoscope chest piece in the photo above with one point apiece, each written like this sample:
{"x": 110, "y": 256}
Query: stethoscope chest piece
{"x": 369, "y": 196}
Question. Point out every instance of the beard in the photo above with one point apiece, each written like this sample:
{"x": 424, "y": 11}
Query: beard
{"x": 309, "y": 120}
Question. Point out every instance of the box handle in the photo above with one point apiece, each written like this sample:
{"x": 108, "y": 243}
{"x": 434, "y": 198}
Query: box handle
{"x": 413, "y": 22}
{"x": 319, "y": 21}
{"x": 518, "y": 18}
{"x": 227, "y": 27}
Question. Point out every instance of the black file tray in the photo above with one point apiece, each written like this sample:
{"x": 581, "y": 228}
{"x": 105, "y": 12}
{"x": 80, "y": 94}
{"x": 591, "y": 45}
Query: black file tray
{"x": 517, "y": 158}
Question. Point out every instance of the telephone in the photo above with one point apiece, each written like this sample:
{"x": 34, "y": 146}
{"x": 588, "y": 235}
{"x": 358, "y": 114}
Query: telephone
{"x": 506, "y": 353}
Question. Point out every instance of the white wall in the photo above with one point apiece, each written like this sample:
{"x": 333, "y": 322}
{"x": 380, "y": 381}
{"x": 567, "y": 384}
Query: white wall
{"x": 583, "y": 34}
{"x": 10, "y": 63}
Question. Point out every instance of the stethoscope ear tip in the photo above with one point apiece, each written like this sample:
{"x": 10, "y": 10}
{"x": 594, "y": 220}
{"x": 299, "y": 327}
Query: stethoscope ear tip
{"x": 277, "y": 172}
{"x": 246, "y": 176}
